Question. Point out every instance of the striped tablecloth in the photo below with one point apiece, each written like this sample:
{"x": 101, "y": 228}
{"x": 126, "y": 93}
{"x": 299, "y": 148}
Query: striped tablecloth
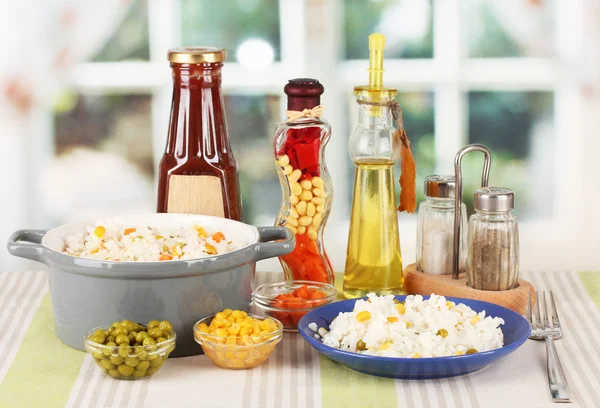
{"x": 36, "y": 370}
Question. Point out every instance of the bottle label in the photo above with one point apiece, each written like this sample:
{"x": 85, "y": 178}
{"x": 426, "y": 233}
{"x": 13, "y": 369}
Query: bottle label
{"x": 195, "y": 195}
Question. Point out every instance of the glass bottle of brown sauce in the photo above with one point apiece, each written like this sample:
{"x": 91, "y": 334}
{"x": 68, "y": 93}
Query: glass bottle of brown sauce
{"x": 198, "y": 173}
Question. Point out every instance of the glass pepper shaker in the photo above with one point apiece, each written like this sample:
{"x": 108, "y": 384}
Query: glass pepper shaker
{"x": 435, "y": 230}
{"x": 299, "y": 147}
{"x": 493, "y": 261}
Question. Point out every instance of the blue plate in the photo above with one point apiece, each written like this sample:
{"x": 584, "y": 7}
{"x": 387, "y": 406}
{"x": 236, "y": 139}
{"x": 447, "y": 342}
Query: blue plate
{"x": 516, "y": 331}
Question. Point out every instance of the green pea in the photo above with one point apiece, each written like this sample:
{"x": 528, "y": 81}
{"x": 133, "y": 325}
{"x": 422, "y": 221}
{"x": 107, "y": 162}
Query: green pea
{"x": 101, "y": 332}
{"x": 122, "y": 339}
{"x": 132, "y": 361}
{"x": 152, "y": 357}
{"x": 139, "y": 373}
{"x": 165, "y": 326}
{"x": 123, "y": 350}
{"x": 111, "y": 338}
{"x": 114, "y": 373}
{"x": 151, "y": 371}
{"x": 149, "y": 341}
{"x": 141, "y": 336}
{"x": 140, "y": 352}
{"x": 442, "y": 332}
{"x": 160, "y": 340}
{"x": 361, "y": 345}
{"x": 152, "y": 324}
{"x": 132, "y": 337}
{"x": 121, "y": 330}
{"x": 116, "y": 360}
{"x": 107, "y": 351}
{"x": 107, "y": 364}
{"x": 171, "y": 348}
{"x": 143, "y": 365}
{"x": 157, "y": 362}
{"x": 97, "y": 354}
{"x": 129, "y": 325}
{"x": 471, "y": 351}
{"x": 155, "y": 333}
{"x": 98, "y": 338}
{"x": 125, "y": 370}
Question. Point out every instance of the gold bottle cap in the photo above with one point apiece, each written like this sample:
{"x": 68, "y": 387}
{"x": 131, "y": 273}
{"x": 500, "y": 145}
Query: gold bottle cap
{"x": 196, "y": 55}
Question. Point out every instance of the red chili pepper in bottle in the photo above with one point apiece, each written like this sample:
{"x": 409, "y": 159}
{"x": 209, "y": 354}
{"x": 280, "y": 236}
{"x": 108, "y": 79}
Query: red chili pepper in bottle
{"x": 307, "y": 191}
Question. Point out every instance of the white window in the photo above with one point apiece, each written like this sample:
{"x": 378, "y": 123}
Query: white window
{"x": 467, "y": 71}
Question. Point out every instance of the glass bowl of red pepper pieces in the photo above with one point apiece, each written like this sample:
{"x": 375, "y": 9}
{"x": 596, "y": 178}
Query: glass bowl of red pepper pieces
{"x": 288, "y": 301}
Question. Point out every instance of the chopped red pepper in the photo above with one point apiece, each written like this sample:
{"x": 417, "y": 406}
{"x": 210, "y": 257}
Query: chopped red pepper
{"x": 295, "y": 300}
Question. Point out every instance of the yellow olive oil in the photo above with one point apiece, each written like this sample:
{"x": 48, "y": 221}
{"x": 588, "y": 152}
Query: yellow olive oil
{"x": 373, "y": 260}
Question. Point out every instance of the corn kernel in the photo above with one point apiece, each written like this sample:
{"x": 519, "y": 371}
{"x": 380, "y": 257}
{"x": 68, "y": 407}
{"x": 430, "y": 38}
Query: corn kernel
{"x": 317, "y": 182}
{"x": 401, "y": 308}
{"x": 449, "y": 304}
{"x": 294, "y": 213}
{"x": 220, "y": 316}
{"x": 306, "y": 184}
{"x": 319, "y": 192}
{"x": 221, "y": 333}
{"x": 99, "y": 231}
{"x": 317, "y": 220}
{"x": 292, "y": 221}
{"x": 363, "y": 316}
{"x": 311, "y": 209}
{"x": 295, "y": 188}
{"x": 312, "y": 234}
{"x": 241, "y": 354}
{"x": 301, "y": 208}
{"x": 203, "y": 328}
{"x": 256, "y": 329}
{"x": 408, "y": 324}
{"x": 305, "y": 220}
{"x": 474, "y": 319}
{"x": 230, "y": 355}
{"x": 392, "y": 319}
{"x": 287, "y": 170}
{"x": 317, "y": 200}
{"x": 417, "y": 355}
{"x": 385, "y": 346}
{"x": 301, "y": 230}
{"x": 306, "y": 195}
{"x": 243, "y": 314}
{"x": 294, "y": 200}
{"x": 460, "y": 353}
{"x": 231, "y": 319}
{"x": 234, "y": 329}
{"x": 201, "y": 232}
{"x": 295, "y": 176}
{"x": 283, "y": 160}
{"x": 211, "y": 250}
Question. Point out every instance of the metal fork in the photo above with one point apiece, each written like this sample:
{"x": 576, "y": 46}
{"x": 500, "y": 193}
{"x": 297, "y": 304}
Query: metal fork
{"x": 549, "y": 331}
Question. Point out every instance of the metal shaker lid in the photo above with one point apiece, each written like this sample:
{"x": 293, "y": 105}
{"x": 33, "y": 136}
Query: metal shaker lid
{"x": 494, "y": 199}
{"x": 439, "y": 186}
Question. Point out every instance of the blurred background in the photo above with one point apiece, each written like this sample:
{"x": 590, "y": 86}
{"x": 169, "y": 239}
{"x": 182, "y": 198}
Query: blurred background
{"x": 86, "y": 87}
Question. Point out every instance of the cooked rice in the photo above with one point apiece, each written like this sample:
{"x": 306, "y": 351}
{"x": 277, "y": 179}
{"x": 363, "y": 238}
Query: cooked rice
{"x": 383, "y": 336}
{"x": 110, "y": 241}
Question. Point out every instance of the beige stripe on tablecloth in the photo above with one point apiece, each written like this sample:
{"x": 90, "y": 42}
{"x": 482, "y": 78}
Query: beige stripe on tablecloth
{"x": 570, "y": 348}
{"x": 20, "y": 294}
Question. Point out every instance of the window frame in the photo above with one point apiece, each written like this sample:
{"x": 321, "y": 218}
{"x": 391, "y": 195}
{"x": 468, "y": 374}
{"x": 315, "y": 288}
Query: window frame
{"x": 308, "y": 33}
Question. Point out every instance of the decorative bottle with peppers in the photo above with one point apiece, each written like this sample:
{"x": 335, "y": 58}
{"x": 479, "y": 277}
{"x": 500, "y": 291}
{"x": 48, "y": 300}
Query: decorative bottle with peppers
{"x": 373, "y": 260}
{"x": 198, "y": 173}
{"x": 307, "y": 192}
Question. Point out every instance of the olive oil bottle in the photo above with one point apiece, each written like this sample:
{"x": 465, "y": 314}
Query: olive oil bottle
{"x": 373, "y": 260}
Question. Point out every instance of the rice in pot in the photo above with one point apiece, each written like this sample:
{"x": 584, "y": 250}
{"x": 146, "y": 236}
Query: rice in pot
{"x": 417, "y": 328}
{"x": 109, "y": 241}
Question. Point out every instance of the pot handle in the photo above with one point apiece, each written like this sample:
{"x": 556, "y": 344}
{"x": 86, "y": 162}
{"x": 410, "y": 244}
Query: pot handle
{"x": 285, "y": 242}
{"x": 27, "y": 244}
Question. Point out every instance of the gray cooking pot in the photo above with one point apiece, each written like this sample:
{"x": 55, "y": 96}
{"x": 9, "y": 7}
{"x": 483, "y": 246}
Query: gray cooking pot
{"x": 87, "y": 293}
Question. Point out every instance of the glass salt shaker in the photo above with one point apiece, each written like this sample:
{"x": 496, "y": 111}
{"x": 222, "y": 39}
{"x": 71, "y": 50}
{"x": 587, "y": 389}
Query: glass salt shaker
{"x": 435, "y": 231}
{"x": 493, "y": 261}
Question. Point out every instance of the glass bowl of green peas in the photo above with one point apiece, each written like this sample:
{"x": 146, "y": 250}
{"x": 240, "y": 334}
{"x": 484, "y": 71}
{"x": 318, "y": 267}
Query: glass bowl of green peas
{"x": 131, "y": 351}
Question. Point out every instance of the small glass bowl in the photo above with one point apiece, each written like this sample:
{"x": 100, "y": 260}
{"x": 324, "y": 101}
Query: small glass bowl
{"x": 236, "y": 354}
{"x": 264, "y": 300}
{"x": 137, "y": 363}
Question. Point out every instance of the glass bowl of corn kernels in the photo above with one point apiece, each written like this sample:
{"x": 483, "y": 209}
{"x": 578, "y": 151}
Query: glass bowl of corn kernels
{"x": 235, "y": 340}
